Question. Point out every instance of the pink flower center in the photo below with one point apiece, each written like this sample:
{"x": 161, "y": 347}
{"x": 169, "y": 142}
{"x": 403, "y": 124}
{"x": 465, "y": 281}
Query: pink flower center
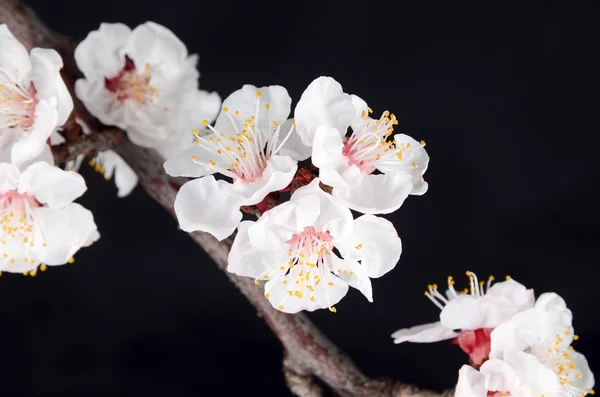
{"x": 131, "y": 84}
{"x": 17, "y": 103}
{"x": 310, "y": 243}
{"x": 249, "y": 173}
{"x": 243, "y": 148}
{"x": 352, "y": 150}
{"x": 368, "y": 146}
{"x": 476, "y": 344}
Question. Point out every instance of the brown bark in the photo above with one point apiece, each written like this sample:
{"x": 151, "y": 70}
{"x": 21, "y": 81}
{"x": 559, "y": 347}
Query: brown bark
{"x": 308, "y": 352}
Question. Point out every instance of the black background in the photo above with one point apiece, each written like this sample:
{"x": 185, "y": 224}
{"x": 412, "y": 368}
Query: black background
{"x": 504, "y": 93}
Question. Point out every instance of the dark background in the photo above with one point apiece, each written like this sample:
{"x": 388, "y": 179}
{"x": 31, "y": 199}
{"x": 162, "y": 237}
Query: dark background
{"x": 504, "y": 93}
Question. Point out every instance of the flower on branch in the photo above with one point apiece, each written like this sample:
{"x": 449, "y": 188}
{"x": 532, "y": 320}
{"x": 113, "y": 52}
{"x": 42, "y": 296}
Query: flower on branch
{"x": 531, "y": 355}
{"x": 310, "y": 249}
{"x": 368, "y": 170}
{"x": 144, "y": 82}
{"x": 468, "y": 316}
{"x": 34, "y": 100}
{"x": 40, "y": 222}
{"x": 254, "y": 144}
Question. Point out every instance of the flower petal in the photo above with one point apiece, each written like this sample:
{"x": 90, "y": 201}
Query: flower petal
{"x": 323, "y": 103}
{"x": 414, "y": 163}
{"x": 44, "y": 156}
{"x": 45, "y": 67}
{"x": 100, "y": 102}
{"x": 586, "y": 379}
{"x": 195, "y": 107}
{"x": 92, "y": 238}
{"x": 374, "y": 194}
{"x": 469, "y": 312}
{"x": 352, "y": 273}
{"x": 33, "y": 141}
{"x": 470, "y": 383}
{"x": 277, "y": 225}
{"x": 159, "y": 47}
{"x": 183, "y": 165}
{"x": 277, "y": 175}
{"x": 45, "y": 76}
{"x": 17, "y": 256}
{"x": 208, "y": 205}
{"x": 464, "y": 313}
{"x": 9, "y": 176}
{"x": 8, "y": 137}
{"x": 432, "y": 332}
{"x": 499, "y": 376}
{"x": 64, "y": 231}
{"x": 13, "y": 55}
{"x": 99, "y": 54}
{"x": 534, "y": 329}
{"x": 327, "y": 153}
{"x": 247, "y": 260}
{"x": 535, "y": 378}
{"x": 65, "y": 101}
{"x": 325, "y": 295}
{"x": 147, "y": 128}
{"x": 125, "y": 177}
{"x": 333, "y": 217}
{"x": 292, "y": 146}
{"x": 51, "y": 185}
{"x": 375, "y": 242}
{"x": 272, "y": 104}
{"x": 521, "y": 297}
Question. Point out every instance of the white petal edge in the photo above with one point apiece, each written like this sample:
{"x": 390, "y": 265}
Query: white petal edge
{"x": 33, "y": 141}
{"x": 99, "y": 54}
{"x": 9, "y": 177}
{"x": 277, "y": 175}
{"x": 323, "y": 103}
{"x": 65, "y": 231}
{"x": 375, "y": 242}
{"x": 247, "y": 260}
{"x": 333, "y": 216}
{"x": 208, "y": 205}
{"x": 374, "y": 194}
{"x": 425, "y": 333}
{"x": 51, "y": 185}
{"x": 471, "y": 383}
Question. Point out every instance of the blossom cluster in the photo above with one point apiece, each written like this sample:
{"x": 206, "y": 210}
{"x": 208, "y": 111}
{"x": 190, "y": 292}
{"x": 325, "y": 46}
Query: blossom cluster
{"x": 517, "y": 345}
{"x": 310, "y": 249}
{"x": 41, "y": 225}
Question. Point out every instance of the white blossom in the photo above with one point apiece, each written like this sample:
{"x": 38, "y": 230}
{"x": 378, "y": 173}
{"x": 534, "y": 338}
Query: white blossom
{"x": 144, "y": 82}
{"x": 471, "y": 314}
{"x": 531, "y": 356}
{"x": 252, "y": 143}
{"x": 40, "y": 222}
{"x": 34, "y": 100}
{"x": 348, "y": 164}
{"x": 310, "y": 249}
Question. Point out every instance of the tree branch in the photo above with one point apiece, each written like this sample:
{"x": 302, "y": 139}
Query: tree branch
{"x": 90, "y": 145}
{"x": 308, "y": 352}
